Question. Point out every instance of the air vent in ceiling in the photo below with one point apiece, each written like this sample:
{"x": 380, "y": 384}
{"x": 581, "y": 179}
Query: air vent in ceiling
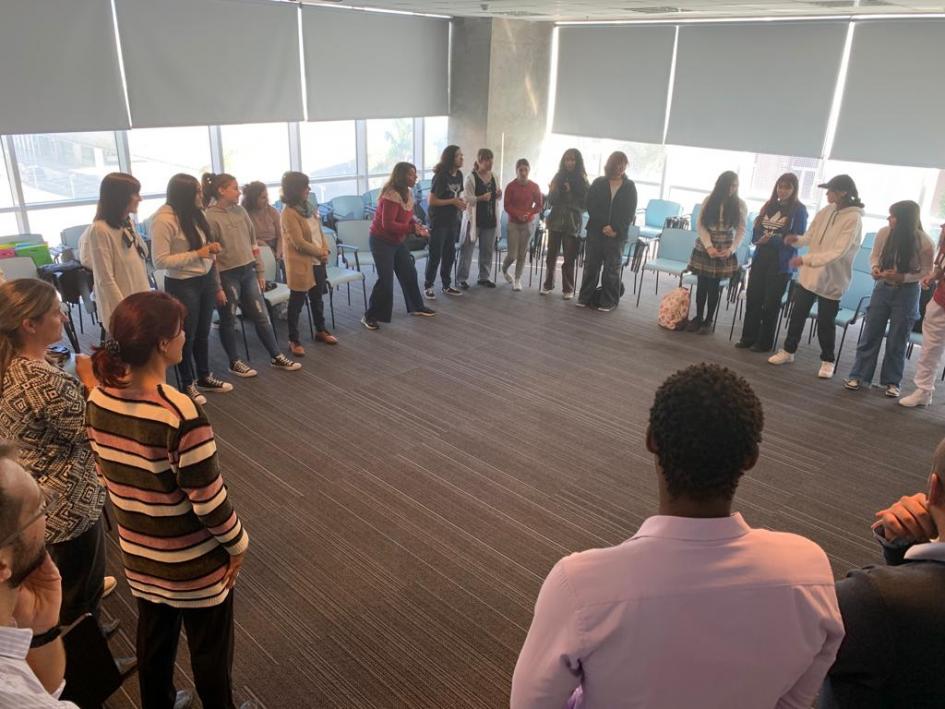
{"x": 657, "y": 10}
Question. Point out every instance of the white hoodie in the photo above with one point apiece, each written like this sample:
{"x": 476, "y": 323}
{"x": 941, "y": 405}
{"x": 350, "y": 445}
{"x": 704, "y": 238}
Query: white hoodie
{"x": 833, "y": 238}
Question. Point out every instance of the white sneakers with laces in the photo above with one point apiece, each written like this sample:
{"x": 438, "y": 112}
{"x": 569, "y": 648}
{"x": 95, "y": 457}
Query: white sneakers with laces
{"x": 826, "y": 370}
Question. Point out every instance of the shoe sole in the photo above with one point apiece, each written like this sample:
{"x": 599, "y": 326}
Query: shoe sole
{"x": 243, "y": 375}
{"x": 923, "y": 404}
{"x": 422, "y": 315}
{"x": 215, "y": 390}
{"x": 284, "y": 368}
{"x": 854, "y": 388}
{"x": 369, "y": 327}
{"x": 888, "y": 395}
{"x": 455, "y": 295}
{"x": 429, "y": 297}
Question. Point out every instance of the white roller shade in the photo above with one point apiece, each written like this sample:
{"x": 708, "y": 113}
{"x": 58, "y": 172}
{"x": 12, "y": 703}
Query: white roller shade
{"x": 760, "y": 87}
{"x": 59, "y": 67}
{"x": 199, "y": 62}
{"x": 612, "y": 82}
{"x": 375, "y": 65}
{"x": 892, "y": 108}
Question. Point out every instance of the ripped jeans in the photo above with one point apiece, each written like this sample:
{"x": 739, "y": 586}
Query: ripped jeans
{"x": 242, "y": 289}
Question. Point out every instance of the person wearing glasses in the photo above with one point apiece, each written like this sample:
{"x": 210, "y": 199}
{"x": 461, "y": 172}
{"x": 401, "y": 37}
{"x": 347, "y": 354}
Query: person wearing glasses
{"x": 117, "y": 252}
{"x": 182, "y": 542}
{"x": 42, "y": 409}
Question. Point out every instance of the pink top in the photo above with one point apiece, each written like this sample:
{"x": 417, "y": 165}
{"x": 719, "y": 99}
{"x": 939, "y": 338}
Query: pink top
{"x": 522, "y": 202}
{"x": 394, "y": 219}
{"x": 689, "y": 612}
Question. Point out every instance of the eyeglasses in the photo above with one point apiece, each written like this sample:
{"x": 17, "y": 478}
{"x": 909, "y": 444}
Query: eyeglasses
{"x": 50, "y": 500}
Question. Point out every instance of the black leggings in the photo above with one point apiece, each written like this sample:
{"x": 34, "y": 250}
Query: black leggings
{"x": 707, "y": 289}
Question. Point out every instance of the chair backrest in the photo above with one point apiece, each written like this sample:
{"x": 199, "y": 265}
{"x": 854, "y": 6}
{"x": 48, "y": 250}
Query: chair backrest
{"x": 743, "y": 251}
{"x": 676, "y": 245}
{"x": 70, "y": 235}
{"x": 869, "y": 239}
{"x": 861, "y": 284}
{"x": 861, "y": 262}
{"x": 694, "y": 216}
{"x": 18, "y": 267}
{"x": 22, "y": 239}
{"x": 750, "y": 224}
{"x": 347, "y": 207}
{"x": 355, "y": 232}
{"x": 633, "y": 233}
{"x": 371, "y": 196}
{"x": 269, "y": 262}
{"x": 659, "y": 210}
{"x": 159, "y": 275}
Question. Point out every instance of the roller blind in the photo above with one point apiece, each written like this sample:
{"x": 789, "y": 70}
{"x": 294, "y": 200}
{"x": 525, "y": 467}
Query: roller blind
{"x": 761, "y": 87}
{"x": 612, "y": 82}
{"x": 375, "y": 65}
{"x": 199, "y": 62}
{"x": 59, "y": 67}
{"x": 892, "y": 107}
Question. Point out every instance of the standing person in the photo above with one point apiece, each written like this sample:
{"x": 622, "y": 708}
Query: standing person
{"x": 117, "y": 253}
{"x": 181, "y": 245}
{"x": 696, "y": 595}
{"x": 182, "y": 542}
{"x": 265, "y": 217}
{"x": 901, "y": 257}
{"x": 720, "y": 229}
{"x": 782, "y": 215}
{"x": 481, "y": 221}
{"x": 567, "y": 195}
{"x": 933, "y": 333}
{"x": 611, "y": 208}
{"x": 446, "y": 208}
{"x": 241, "y": 272}
{"x": 393, "y": 221}
{"x": 306, "y": 257}
{"x": 825, "y": 271}
{"x": 523, "y": 202}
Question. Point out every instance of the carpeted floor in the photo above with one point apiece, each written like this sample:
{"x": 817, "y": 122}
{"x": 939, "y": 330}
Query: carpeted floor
{"x": 408, "y": 490}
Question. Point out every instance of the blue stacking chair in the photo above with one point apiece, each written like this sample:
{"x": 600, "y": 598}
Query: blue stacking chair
{"x": 672, "y": 256}
{"x": 656, "y": 213}
{"x": 694, "y": 215}
{"x": 370, "y": 201}
{"x": 869, "y": 239}
{"x": 341, "y": 209}
{"x": 861, "y": 262}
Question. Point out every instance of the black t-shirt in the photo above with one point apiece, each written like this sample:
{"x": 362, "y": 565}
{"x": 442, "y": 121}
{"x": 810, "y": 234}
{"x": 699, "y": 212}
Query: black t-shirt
{"x": 485, "y": 210}
{"x": 446, "y": 186}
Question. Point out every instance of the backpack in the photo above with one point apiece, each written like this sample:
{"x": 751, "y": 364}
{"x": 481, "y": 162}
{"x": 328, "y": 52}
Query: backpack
{"x": 674, "y": 309}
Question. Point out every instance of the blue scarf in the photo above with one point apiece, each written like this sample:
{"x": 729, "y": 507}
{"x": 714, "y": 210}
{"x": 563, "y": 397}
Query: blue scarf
{"x": 305, "y": 209}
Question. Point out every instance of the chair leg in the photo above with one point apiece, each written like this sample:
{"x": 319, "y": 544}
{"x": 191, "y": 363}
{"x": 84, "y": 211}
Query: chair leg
{"x": 640, "y": 289}
{"x": 308, "y": 308}
{"x": 842, "y": 338}
{"x": 331, "y": 305}
{"x": 349, "y": 296}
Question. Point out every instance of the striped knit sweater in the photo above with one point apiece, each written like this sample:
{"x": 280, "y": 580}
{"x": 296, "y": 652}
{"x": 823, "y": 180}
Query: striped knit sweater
{"x": 176, "y": 526}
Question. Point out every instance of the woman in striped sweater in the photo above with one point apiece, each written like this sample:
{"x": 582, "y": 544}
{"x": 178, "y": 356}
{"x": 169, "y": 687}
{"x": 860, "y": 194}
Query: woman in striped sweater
{"x": 182, "y": 543}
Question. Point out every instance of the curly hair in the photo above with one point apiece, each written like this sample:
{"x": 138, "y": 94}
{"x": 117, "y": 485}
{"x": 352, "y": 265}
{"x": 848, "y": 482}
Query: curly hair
{"x": 705, "y": 424}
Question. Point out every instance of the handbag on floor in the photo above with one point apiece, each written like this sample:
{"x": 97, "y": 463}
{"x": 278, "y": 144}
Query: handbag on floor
{"x": 674, "y": 309}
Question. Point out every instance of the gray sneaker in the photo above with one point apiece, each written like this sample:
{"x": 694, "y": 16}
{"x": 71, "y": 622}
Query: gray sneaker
{"x": 280, "y": 361}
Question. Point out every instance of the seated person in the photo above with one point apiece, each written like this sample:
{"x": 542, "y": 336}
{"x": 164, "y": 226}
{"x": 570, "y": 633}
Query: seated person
{"x": 697, "y": 609}
{"x": 893, "y": 654}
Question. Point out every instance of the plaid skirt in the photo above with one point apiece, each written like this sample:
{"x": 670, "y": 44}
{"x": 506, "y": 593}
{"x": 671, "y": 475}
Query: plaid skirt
{"x": 701, "y": 264}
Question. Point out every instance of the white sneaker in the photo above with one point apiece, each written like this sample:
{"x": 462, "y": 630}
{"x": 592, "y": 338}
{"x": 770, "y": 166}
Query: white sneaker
{"x": 544, "y": 291}
{"x": 920, "y": 397}
{"x": 892, "y": 391}
{"x": 516, "y": 284}
{"x": 781, "y": 357}
{"x": 826, "y": 370}
{"x": 567, "y": 296}
{"x": 508, "y": 278}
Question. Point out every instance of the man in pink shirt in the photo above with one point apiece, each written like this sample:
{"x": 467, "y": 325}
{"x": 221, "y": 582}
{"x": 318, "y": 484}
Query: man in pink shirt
{"x": 697, "y": 609}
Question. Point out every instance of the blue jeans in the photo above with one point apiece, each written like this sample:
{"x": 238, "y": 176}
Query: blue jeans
{"x": 899, "y": 306}
{"x": 242, "y": 289}
{"x": 199, "y": 296}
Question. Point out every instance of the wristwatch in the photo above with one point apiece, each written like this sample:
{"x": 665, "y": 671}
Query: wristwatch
{"x": 45, "y": 638}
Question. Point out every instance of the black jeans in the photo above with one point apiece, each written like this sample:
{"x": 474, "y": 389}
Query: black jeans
{"x": 826, "y": 327}
{"x": 708, "y": 292}
{"x": 568, "y": 243}
{"x": 210, "y": 639}
{"x": 199, "y": 296}
{"x": 443, "y": 240}
{"x": 391, "y": 260}
{"x": 766, "y": 286}
{"x": 297, "y": 300}
{"x": 81, "y": 563}
{"x": 602, "y": 258}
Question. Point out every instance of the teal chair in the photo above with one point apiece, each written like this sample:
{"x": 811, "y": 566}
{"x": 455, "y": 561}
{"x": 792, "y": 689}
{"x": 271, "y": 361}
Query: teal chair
{"x": 70, "y": 236}
{"x": 869, "y": 239}
{"x": 694, "y": 215}
{"x": 341, "y": 209}
{"x": 339, "y": 275}
{"x": 656, "y": 213}
{"x": 861, "y": 262}
{"x": 353, "y": 240}
{"x": 853, "y": 305}
{"x": 370, "y": 199}
{"x": 672, "y": 256}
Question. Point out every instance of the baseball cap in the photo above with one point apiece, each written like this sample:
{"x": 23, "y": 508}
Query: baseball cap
{"x": 840, "y": 183}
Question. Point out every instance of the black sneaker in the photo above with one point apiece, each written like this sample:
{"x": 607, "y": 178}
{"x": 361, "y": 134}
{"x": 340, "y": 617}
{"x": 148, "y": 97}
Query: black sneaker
{"x": 424, "y": 312}
{"x": 369, "y": 323}
{"x": 486, "y": 283}
{"x": 241, "y": 369}
{"x": 211, "y": 383}
{"x": 464, "y": 285}
{"x": 192, "y": 392}
{"x": 744, "y": 344}
{"x": 449, "y": 290}
{"x": 280, "y": 361}
{"x": 429, "y": 294}
{"x": 694, "y": 325}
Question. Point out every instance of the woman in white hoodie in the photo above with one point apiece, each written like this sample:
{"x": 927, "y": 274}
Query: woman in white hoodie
{"x": 825, "y": 271}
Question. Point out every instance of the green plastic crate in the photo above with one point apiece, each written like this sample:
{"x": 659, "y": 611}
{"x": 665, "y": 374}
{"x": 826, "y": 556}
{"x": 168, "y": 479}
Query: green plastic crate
{"x": 38, "y": 252}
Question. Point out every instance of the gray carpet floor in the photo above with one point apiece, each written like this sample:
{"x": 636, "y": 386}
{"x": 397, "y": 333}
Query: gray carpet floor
{"x": 408, "y": 490}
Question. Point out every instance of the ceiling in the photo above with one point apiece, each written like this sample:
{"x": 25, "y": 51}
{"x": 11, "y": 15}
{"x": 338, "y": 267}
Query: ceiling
{"x": 563, "y": 10}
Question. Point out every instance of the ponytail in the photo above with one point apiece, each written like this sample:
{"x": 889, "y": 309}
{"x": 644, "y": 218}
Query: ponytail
{"x": 483, "y": 154}
{"x": 211, "y": 183}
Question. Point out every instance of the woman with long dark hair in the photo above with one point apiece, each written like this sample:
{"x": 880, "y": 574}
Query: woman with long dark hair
{"x": 482, "y": 193}
{"x": 180, "y": 241}
{"x": 833, "y": 238}
{"x": 446, "y": 209}
{"x": 182, "y": 542}
{"x": 265, "y": 217}
{"x": 720, "y": 229}
{"x": 567, "y": 195}
{"x": 306, "y": 259}
{"x": 393, "y": 221}
{"x": 611, "y": 209}
{"x": 782, "y": 215}
{"x": 117, "y": 252}
{"x": 901, "y": 257}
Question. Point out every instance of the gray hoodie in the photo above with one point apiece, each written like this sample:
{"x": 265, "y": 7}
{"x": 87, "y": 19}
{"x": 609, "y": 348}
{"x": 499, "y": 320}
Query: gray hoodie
{"x": 833, "y": 239}
{"x": 233, "y": 229}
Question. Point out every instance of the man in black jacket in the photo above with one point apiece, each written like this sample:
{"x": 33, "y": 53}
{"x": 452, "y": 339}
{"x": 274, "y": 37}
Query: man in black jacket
{"x": 893, "y": 654}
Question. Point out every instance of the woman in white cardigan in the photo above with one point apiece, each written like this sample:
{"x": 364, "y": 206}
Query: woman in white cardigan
{"x": 117, "y": 252}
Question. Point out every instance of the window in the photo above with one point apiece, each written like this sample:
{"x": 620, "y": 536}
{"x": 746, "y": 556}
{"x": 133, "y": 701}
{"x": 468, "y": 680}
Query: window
{"x": 325, "y": 191}
{"x": 256, "y": 151}
{"x": 328, "y": 149}
{"x": 157, "y": 154}
{"x": 389, "y": 141}
{"x": 6, "y": 190}
{"x": 435, "y": 136}
{"x": 8, "y": 224}
{"x": 56, "y": 167}
{"x": 50, "y": 222}
{"x": 146, "y": 210}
